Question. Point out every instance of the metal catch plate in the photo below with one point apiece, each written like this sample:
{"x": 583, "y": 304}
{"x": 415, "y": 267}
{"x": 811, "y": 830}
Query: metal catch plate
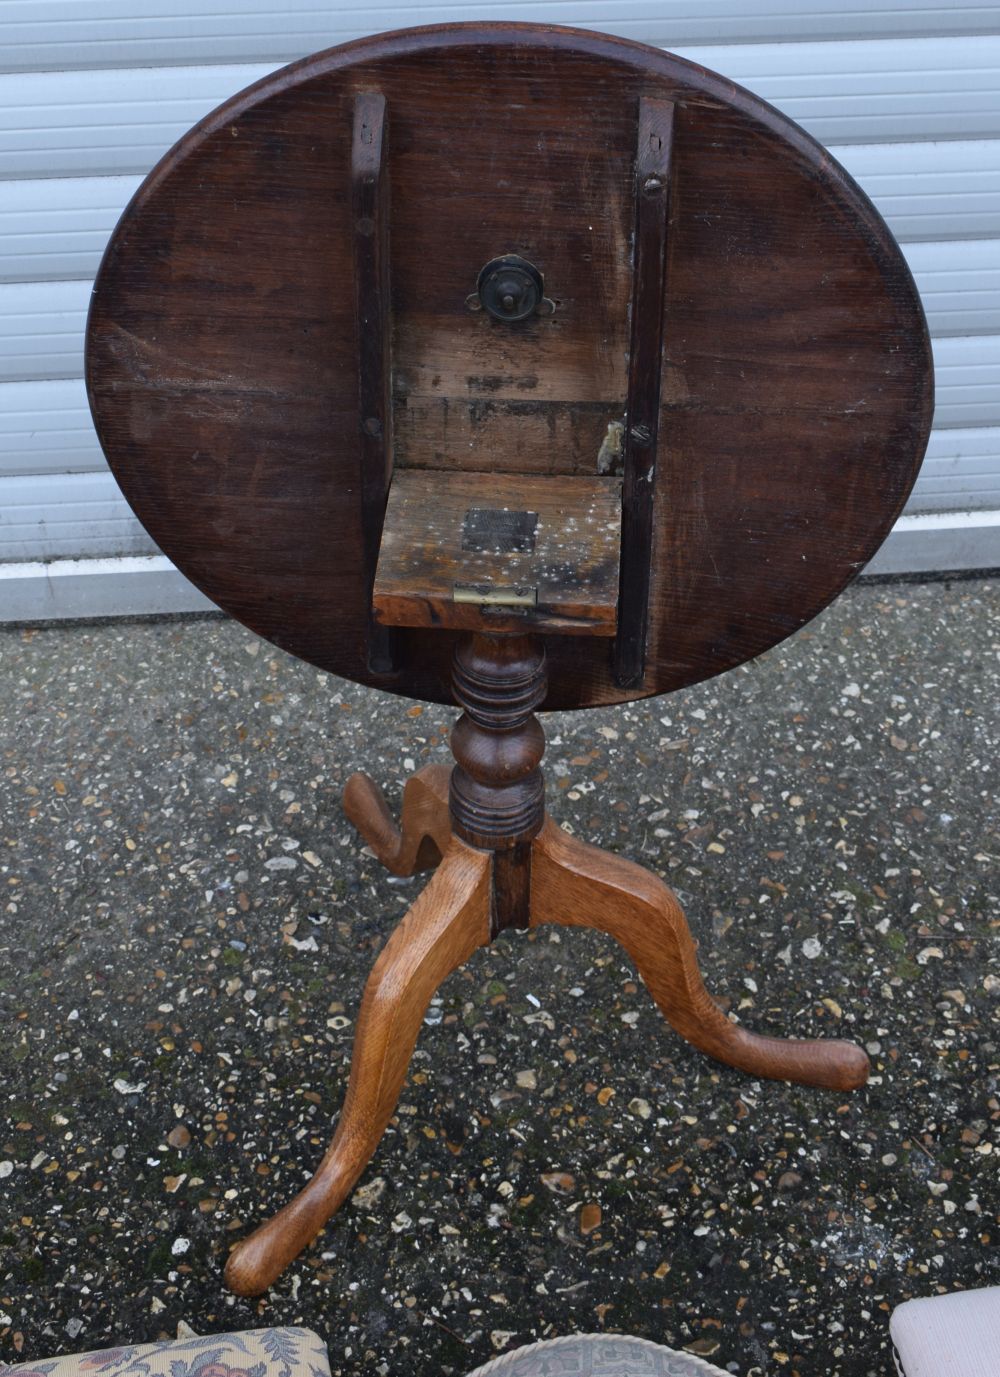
{"x": 489, "y": 530}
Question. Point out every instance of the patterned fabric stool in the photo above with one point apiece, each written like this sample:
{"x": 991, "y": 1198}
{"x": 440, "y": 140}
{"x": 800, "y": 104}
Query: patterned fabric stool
{"x": 255, "y": 1353}
{"x": 597, "y": 1355}
{"x": 948, "y": 1336}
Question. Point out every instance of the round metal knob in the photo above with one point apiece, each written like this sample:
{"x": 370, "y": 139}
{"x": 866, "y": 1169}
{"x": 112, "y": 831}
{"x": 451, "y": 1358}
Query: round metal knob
{"x": 510, "y": 288}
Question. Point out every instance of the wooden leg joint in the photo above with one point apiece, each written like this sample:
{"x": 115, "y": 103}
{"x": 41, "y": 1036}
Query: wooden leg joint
{"x": 510, "y": 905}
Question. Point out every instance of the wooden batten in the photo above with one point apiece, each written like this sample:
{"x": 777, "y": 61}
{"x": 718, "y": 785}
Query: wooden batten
{"x": 652, "y": 205}
{"x": 370, "y": 212}
{"x": 500, "y": 553}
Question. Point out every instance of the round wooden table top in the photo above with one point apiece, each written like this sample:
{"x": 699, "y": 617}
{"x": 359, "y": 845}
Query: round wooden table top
{"x": 223, "y": 348}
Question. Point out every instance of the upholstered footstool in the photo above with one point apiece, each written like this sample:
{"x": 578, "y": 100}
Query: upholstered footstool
{"x": 597, "y": 1355}
{"x": 948, "y": 1336}
{"x": 255, "y": 1353}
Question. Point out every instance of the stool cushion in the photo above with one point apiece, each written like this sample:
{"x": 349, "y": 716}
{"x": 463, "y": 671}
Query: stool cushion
{"x": 255, "y": 1353}
{"x": 597, "y": 1355}
{"x": 948, "y": 1336}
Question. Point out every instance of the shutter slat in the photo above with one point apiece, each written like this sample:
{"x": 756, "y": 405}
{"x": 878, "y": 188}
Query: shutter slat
{"x": 119, "y": 121}
{"x": 40, "y": 34}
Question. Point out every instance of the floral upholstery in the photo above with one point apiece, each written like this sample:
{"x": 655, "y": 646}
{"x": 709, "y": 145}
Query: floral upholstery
{"x": 254, "y": 1353}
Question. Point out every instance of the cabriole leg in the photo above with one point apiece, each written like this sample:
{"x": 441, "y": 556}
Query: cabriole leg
{"x": 580, "y": 886}
{"x": 449, "y": 920}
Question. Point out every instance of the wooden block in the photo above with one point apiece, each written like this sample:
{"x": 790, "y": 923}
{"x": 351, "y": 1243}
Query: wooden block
{"x": 500, "y": 552}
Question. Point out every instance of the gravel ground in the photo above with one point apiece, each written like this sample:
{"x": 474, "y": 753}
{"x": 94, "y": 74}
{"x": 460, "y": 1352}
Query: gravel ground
{"x": 187, "y": 923}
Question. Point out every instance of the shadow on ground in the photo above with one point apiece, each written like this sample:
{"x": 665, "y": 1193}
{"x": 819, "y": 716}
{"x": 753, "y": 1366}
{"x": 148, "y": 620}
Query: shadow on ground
{"x": 186, "y": 928}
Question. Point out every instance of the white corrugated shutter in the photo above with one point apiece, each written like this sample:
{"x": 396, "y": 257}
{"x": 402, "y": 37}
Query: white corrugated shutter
{"x": 906, "y": 94}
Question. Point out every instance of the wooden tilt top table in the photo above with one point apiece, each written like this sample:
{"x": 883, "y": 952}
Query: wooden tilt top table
{"x": 527, "y": 367}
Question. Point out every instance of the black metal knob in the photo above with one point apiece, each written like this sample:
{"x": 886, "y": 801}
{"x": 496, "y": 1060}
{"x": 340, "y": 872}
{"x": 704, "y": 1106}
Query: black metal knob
{"x": 510, "y": 288}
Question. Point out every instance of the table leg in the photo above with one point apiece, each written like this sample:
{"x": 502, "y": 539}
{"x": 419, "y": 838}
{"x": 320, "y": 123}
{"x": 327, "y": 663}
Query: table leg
{"x": 579, "y": 886}
{"x": 425, "y": 826}
{"x": 449, "y": 920}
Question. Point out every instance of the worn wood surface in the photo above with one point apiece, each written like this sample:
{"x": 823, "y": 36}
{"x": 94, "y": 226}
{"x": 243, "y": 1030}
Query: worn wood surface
{"x": 223, "y": 348}
{"x": 371, "y": 210}
{"x": 561, "y": 578}
{"x": 651, "y": 198}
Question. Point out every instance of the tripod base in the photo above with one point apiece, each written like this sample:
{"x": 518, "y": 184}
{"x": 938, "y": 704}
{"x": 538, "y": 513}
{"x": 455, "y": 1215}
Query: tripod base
{"x": 572, "y": 884}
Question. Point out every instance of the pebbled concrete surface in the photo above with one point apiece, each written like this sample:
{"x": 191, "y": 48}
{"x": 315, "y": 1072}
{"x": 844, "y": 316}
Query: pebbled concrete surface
{"x": 186, "y": 924}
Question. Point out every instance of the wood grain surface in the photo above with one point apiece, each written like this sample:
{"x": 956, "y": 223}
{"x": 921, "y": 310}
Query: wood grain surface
{"x": 577, "y": 885}
{"x": 223, "y": 347}
{"x": 446, "y": 924}
{"x": 566, "y": 572}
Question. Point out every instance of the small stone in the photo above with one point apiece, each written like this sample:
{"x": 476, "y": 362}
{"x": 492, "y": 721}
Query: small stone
{"x": 788, "y": 1180}
{"x": 812, "y": 947}
{"x": 6, "y": 1169}
{"x": 179, "y": 1247}
{"x": 172, "y": 1184}
{"x": 559, "y": 1182}
{"x": 640, "y": 1108}
{"x": 125, "y": 1087}
{"x": 590, "y": 1218}
{"x": 527, "y": 1080}
{"x": 604, "y": 1095}
{"x": 928, "y": 953}
{"x": 704, "y": 1348}
{"x": 179, "y": 1136}
{"x": 304, "y": 944}
{"x": 73, "y": 1327}
{"x": 369, "y": 1194}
